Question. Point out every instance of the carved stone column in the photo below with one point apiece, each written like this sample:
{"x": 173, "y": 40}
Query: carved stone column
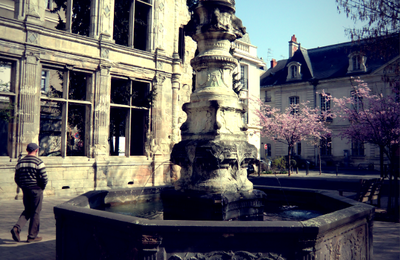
{"x": 175, "y": 88}
{"x": 158, "y": 28}
{"x": 29, "y": 102}
{"x": 101, "y": 111}
{"x": 214, "y": 152}
{"x": 102, "y": 22}
{"x": 158, "y": 128}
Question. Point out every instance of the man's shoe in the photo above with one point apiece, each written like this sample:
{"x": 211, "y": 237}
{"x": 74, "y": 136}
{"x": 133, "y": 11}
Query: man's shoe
{"x": 15, "y": 234}
{"x": 36, "y": 239}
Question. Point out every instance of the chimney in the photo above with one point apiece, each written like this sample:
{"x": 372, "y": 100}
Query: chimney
{"x": 273, "y": 63}
{"x": 293, "y": 46}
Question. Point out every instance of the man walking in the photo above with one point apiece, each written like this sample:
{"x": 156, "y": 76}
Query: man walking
{"x": 31, "y": 177}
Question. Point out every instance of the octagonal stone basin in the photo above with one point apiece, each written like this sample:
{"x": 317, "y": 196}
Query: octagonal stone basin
{"x": 85, "y": 232}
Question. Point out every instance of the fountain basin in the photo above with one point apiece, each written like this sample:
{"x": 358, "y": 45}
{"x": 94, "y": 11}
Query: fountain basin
{"x": 84, "y": 232}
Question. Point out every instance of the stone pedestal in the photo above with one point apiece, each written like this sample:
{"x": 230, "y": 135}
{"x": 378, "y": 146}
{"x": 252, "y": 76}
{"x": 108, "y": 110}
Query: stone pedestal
{"x": 214, "y": 151}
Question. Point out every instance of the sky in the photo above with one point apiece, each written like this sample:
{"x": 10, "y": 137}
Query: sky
{"x": 271, "y": 24}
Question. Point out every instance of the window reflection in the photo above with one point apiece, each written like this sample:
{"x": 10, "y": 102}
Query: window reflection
{"x": 65, "y": 112}
{"x": 5, "y": 76}
{"x": 50, "y": 128}
{"x": 7, "y": 99}
{"x": 76, "y": 130}
{"x": 52, "y": 83}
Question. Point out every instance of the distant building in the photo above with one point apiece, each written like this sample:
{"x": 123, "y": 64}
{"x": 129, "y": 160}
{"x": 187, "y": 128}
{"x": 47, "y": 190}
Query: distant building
{"x": 99, "y": 85}
{"x": 329, "y": 68}
{"x": 249, "y": 70}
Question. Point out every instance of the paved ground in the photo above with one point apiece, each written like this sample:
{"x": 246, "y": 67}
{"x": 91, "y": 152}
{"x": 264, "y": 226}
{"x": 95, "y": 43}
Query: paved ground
{"x": 44, "y": 250}
{"x": 386, "y": 234}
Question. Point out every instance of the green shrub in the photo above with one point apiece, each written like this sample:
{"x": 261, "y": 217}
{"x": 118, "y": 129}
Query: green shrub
{"x": 279, "y": 163}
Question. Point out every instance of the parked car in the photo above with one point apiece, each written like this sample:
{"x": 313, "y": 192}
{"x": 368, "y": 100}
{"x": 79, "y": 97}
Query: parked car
{"x": 250, "y": 169}
{"x": 302, "y": 163}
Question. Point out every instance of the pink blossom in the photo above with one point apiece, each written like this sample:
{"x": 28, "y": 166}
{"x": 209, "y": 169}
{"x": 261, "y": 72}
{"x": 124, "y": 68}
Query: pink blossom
{"x": 295, "y": 124}
{"x": 373, "y": 118}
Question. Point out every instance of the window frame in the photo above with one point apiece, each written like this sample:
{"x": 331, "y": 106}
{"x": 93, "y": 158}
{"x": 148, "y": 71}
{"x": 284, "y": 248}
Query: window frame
{"x": 358, "y": 101}
{"x": 266, "y": 97}
{"x": 357, "y": 148}
{"x": 298, "y": 149}
{"x": 12, "y": 95}
{"x": 49, "y": 5}
{"x": 326, "y": 146}
{"x": 131, "y": 27}
{"x": 244, "y": 76}
{"x": 296, "y": 100}
{"x": 294, "y": 71}
{"x": 244, "y": 93}
{"x": 66, "y": 101}
{"x": 268, "y": 152}
{"x": 324, "y": 104}
{"x": 68, "y": 13}
{"x": 128, "y": 120}
{"x": 357, "y": 62}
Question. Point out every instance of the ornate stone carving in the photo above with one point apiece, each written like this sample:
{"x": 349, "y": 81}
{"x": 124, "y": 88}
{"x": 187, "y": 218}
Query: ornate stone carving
{"x": 214, "y": 151}
{"x": 346, "y": 245}
{"x": 104, "y": 53}
{"x": 29, "y": 89}
{"x": 32, "y": 37}
{"x": 106, "y": 11}
{"x": 223, "y": 255}
{"x": 159, "y": 79}
{"x": 215, "y": 17}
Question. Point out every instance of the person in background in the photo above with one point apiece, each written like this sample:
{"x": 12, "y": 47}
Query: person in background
{"x": 31, "y": 177}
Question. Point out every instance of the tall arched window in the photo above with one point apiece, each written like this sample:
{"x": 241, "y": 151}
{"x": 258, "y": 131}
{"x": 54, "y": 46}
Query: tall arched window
{"x": 293, "y": 102}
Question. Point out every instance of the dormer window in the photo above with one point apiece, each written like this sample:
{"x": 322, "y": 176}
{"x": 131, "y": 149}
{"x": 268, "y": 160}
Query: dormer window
{"x": 357, "y": 62}
{"x": 293, "y": 71}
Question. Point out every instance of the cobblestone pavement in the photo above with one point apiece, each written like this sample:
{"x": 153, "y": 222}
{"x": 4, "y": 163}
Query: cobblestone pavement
{"x": 386, "y": 234}
{"x": 44, "y": 250}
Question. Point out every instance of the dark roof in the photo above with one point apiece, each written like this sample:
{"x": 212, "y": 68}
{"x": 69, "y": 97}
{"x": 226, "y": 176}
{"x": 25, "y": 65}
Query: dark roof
{"x": 332, "y": 61}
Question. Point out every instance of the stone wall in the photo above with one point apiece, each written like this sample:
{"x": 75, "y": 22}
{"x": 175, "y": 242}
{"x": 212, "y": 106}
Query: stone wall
{"x": 30, "y": 43}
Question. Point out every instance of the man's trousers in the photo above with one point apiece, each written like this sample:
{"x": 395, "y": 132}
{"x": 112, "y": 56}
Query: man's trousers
{"x": 32, "y": 199}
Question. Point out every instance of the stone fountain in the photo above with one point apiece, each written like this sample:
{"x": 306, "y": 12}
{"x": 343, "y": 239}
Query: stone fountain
{"x": 192, "y": 220}
{"x": 214, "y": 151}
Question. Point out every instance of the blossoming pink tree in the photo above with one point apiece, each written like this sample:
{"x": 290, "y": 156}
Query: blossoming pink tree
{"x": 374, "y": 118}
{"x": 293, "y": 125}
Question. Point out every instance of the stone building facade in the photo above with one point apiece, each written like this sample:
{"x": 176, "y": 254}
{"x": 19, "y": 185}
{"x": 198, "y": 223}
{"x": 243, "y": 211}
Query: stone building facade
{"x": 98, "y": 84}
{"x": 308, "y": 72}
{"x": 249, "y": 70}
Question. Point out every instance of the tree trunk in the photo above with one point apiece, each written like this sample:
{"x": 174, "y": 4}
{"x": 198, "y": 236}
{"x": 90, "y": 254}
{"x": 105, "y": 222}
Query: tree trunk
{"x": 389, "y": 205}
{"x": 396, "y": 199}
{"x": 320, "y": 164}
{"x": 381, "y": 161}
{"x": 289, "y": 159}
